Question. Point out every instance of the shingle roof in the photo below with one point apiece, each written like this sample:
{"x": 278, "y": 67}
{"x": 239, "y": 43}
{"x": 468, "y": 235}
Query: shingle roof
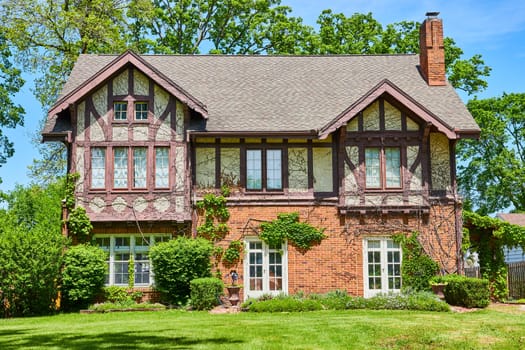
{"x": 289, "y": 93}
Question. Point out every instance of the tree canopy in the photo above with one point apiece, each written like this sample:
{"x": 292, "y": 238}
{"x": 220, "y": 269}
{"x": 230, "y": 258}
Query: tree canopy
{"x": 11, "y": 114}
{"x": 492, "y": 172}
{"x": 48, "y": 36}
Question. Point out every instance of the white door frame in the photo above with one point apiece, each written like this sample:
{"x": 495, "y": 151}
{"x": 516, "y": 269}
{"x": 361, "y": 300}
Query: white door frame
{"x": 265, "y": 283}
{"x": 387, "y": 264}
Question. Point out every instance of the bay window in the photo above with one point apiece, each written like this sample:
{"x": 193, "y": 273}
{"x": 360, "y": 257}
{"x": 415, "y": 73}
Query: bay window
{"x": 120, "y": 167}
{"x": 161, "y": 167}
{"x": 139, "y": 167}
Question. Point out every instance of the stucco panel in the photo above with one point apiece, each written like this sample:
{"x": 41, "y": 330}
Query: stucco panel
{"x": 180, "y": 168}
{"x": 161, "y": 101}
{"x": 95, "y": 130}
{"x": 120, "y": 133}
{"x": 323, "y": 172}
{"x": 179, "y": 122}
{"x": 230, "y": 166}
{"x": 371, "y": 117}
{"x": 392, "y": 117}
{"x": 140, "y": 83}
{"x": 120, "y": 84}
{"x": 81, "y": 121}
{"x": 140, "y": 133}
{"x": 440, "y": 161}
{"x": 80, "y": 169}
{"x": 205, "y": 167}
{"x": 298, "y": 169}
{"x": 100, "y": 100}
{"x": 350, "y": 180}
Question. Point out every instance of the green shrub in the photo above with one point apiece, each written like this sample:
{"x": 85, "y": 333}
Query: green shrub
{"x": 30, "y": 262}
{"x": 83, "y": 275}
{"x": 339, "y": 300}
{"x": 205, "y": 292}
{"x": 286, "y": 304}
{"x": 177, "y": 262}
{"x": 116, "y": 294}
{"x": 466, "y": 291}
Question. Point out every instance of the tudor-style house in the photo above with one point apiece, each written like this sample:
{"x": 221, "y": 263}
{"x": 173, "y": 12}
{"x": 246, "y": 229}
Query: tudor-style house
{"x": 360, "y": 145}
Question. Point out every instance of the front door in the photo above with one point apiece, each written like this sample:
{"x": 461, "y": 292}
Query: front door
{"x": 265, "y": 269}
{"x": 382, "y": 266}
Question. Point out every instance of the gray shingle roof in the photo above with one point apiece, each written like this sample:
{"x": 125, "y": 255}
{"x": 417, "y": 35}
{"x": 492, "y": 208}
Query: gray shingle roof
{"x": 289, "y": 93}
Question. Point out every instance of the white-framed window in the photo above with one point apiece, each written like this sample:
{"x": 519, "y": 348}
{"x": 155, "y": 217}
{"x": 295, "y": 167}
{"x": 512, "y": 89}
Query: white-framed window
{"x": 162, "y": 167}
{"x": 381, "y": 265}
{"x": 141, "y": 111}
{"x": 383, "y": 167}
{"x": 139, "y": 167}
{"x": 120, "y": 167}
{"x": 264, "y": 169}
{"x": 121, "y": 250}
{"x": 120, "y": 110}
{"x": 98, "y": 167}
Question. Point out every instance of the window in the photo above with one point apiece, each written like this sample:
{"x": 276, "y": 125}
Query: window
{"x": 383, "y": 167}
{"x": 123, "y": 250}
{"x": 139, "y": 167}
{"x": 264, "y": 169}
{"x": 98, "y": 167}
{"x": 120, "y": 110}
{"x": 120, "y": 167}
{"x": 141, "y": 111}
{"x": 161, "y": 167}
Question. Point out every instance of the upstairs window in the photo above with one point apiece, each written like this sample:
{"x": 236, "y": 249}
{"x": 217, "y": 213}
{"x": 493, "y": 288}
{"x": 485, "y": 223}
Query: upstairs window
{"x": 264, "y": 169}
{"x": 98, "y": 167}
{"x": 141, "y": 111}
{"x": 120, "y": 110}
{"x": 383, "y": 167}
{"x": 120, "y": 167}
{"x": 139, "y": 167}
{"x": 161, "y": 167}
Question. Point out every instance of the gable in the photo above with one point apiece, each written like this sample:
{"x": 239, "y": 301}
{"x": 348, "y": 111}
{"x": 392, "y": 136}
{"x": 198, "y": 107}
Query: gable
{"x": 390, "y": 116}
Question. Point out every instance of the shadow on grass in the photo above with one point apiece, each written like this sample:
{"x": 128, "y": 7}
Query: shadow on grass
{"x": 117, "y": 340}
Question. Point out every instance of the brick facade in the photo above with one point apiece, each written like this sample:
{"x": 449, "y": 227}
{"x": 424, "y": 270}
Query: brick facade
{"x": 337, "y": 262}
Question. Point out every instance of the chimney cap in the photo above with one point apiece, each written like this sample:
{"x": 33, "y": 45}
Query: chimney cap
{"x": 431, "y": 15}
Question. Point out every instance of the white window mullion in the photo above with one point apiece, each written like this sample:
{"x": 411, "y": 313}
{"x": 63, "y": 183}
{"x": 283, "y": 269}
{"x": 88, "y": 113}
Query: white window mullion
{"x": 112, "y": 261}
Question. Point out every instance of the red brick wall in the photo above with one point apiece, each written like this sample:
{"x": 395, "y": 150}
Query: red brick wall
{"x": 337, "y": 263}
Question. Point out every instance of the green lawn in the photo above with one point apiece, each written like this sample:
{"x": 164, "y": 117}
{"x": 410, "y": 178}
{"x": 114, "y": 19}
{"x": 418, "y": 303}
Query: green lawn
{"x": 496, "y": 328}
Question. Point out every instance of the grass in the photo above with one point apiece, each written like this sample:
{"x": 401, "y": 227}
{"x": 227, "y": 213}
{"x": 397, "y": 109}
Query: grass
{"x": 495, "y": 328}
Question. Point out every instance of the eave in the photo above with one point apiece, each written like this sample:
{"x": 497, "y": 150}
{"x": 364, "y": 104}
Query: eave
{"x": 113, "y": 67}
{"x": 386, "y": 86}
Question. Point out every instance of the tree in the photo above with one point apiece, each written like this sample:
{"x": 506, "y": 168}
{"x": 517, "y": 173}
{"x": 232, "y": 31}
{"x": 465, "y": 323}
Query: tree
{"x": 31, "y": 247}
{"x": 47, "y": 37}
{"x": 11, "y": 114}
{"x": 492, "y": 175}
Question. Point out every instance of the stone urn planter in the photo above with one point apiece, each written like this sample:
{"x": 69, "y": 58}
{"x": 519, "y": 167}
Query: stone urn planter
{"x": 233, "y": 294}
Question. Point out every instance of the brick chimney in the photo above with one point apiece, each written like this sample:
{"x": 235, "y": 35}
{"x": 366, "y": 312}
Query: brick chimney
{"x": 431, "y": 50}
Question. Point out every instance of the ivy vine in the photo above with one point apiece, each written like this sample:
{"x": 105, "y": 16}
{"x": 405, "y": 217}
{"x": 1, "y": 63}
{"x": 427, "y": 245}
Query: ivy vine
{"x": 488, "y": 236}
{"x": 233, "y": 253}
{"x": 215, "y": 216}
{"x": 417, "y": 267}
{"x": 78, "y": 223}
{"x": 287, "y": 227}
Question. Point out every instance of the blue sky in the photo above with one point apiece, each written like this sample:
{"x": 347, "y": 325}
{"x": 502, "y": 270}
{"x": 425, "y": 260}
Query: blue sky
{"x": 493, "y": 28}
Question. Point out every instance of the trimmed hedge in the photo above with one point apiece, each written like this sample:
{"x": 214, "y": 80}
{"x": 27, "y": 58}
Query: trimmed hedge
{"x": 466, "y": 291}
{"x": 338, "y": 300}
{"x": 205, "y": 292}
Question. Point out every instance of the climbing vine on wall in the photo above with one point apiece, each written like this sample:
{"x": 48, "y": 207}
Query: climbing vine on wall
{"x": 417, "y": 267}
{"x": 287, "y": 226}
{"x": 214, "y": 228}
{"x": 488, "y": 236}
{"x": 77, "y": 222}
